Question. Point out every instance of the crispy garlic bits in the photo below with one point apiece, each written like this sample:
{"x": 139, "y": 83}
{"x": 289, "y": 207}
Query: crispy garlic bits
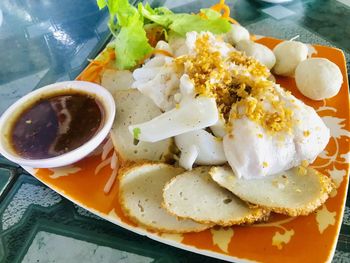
{"x": 268, "y": 130}
{"x": 238, "y": 83}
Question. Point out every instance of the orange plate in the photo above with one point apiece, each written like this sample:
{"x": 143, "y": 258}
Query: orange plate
{"x": 310, "y": 238}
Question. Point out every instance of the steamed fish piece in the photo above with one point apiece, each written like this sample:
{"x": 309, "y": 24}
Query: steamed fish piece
{"x": 191, "y": 115}
{"x": 158, "y": 83}
{"x": 158, "y": 79}
{"x": 253, "y": 152}
{"x": 194, "y": 195}
{"x": 199, "y": 147}
{"x": 294, "y": 192}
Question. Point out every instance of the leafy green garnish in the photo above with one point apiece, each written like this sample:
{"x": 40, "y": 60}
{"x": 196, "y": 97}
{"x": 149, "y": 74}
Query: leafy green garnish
{"x": 161, "y": 16}
{"x": 183, "y": 23}
{"x": 131, "y": 45}
{"x": 136, "y": 132}
{"x": 127, "y": 22}
{"x": 101, "y": 4}
{"x": 190, "y": 23}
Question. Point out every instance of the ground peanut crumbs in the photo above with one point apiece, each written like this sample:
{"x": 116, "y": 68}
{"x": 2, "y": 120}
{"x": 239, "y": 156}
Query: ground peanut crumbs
{"x": 236, "y": 81}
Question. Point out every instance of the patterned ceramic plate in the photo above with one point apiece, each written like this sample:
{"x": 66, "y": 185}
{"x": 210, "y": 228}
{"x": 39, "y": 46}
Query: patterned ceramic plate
{"x": 310, "y": 238}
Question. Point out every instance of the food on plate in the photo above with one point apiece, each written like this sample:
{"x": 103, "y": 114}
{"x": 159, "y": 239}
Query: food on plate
{"x": 114, "y": 80}
{"x": 178, "y": 120}
{"x": 158, "y": 79}
{"x": 203, "y": 96}
{"x": 199, "y": 147}
{"x": 258, "y": 51}
{"x": 236, "y": 34}
{"x": 295, "y": 192}
{"x": 127, "y": 24}
{"x": 279, "y": 143}
{"x": 55, "y": 124}
{"x": 134, "y": 107}
{"x": 318, "y": 78}
{"x": 194, "y": 195}
{"x": 268, "y": 130}
{"x": 140, "y": 196}
{"x": 288, "y": 56}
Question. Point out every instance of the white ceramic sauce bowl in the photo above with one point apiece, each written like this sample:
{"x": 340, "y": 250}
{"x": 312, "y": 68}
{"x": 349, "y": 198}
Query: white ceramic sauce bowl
{"x": 97, "y": 91}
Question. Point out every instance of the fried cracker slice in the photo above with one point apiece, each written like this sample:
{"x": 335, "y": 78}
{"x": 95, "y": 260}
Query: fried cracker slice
{"x": 194, "y": 195}
{"x": 141, "y": 198}
{"x": 134, "y": 107}
{"x": 115, "y": 80}
{"x": 292, "y": 192}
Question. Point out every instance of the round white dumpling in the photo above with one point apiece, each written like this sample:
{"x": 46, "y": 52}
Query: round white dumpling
{"x": 288, "y": 56}
{"x": 318, "y": 78}
{"x": 260, "y": 52}
{"x": 236, "y": 34}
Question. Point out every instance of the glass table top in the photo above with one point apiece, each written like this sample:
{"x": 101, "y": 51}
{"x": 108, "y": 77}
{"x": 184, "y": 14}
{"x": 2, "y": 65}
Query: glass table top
{"x": 46, "y": 41}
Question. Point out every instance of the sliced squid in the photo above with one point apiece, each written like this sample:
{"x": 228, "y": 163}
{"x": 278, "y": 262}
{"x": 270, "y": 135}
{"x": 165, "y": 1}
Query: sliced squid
{"x": 236, "y": 34}
{"x": 253, "y": 152}
{"x": 158, "y": 80}
{"x": 178, "y": 46}
{"x": 191, "y": 115}
{"x": 199, "y": 147}
{"x": 219, "y": 128}
{"x": 188, "y": 157}
{"x": 162, "y": 45}
{"x": 258, "y": 51}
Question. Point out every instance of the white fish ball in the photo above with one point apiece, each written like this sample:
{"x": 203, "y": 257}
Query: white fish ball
{"x": 260, "y": 52}
{"x": 318, "y": 78}
{"x": 288, "y": 56}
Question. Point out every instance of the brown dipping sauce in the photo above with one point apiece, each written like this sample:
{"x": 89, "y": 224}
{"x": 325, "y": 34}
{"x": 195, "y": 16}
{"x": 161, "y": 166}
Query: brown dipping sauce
{"x": 55, "y": 125}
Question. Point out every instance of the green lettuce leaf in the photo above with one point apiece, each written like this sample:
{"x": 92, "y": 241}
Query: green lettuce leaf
{"x": 161, "y": 16}
{"x": 101, "y": 4}
{"x": 131, "y": 45}
{"x": 187, "y": 23}
{"x": 183, "y": 23}
{"x": 126, "y": 24}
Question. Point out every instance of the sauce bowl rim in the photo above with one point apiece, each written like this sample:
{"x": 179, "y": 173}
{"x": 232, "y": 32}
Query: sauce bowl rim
{"x": 103, "y": 95}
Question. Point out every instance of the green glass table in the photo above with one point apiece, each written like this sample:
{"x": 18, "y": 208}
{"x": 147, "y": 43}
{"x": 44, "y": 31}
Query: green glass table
{"x": 47, "y": 41}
